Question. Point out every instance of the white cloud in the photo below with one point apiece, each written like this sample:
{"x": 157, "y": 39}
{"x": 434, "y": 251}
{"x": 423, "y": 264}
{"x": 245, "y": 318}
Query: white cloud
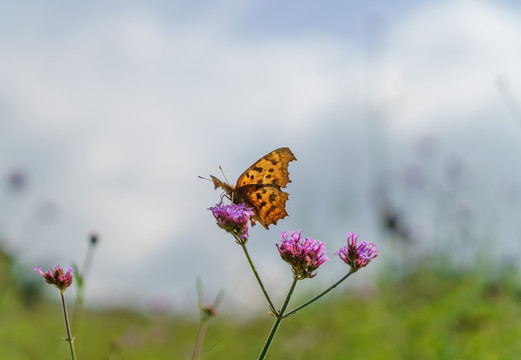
{"x": 443, "y": 61}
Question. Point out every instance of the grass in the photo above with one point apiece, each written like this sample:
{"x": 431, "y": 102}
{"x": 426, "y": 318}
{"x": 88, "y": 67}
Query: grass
{"x": 430, "y": 314}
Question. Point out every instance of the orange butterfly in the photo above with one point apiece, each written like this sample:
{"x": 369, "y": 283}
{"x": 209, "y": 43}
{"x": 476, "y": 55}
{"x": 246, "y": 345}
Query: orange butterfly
{"x": 260, "y": 186}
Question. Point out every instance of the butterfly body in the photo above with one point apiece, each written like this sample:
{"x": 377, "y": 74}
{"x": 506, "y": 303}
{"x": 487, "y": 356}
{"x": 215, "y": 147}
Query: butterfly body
{"x": 260, "y": 187}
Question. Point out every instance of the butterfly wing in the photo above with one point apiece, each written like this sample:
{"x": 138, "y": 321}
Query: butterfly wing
{"x": 221, "y": 184}
{"x": 260, "y": 186}
{"x": 269, "y": 204}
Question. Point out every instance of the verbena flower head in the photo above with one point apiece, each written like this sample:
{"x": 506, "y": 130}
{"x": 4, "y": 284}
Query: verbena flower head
{"x": 57, "y": 277}
{"x": 357, "y": 255}
{"x": 208, "y": 311}
{"x": 233, "y": 218}
{"x": 93, "y": 239}
{"x": 304, "y": 255}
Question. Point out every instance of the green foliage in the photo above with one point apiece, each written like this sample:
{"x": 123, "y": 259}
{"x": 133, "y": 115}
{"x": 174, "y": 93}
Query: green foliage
{"x": 431, "y": 314}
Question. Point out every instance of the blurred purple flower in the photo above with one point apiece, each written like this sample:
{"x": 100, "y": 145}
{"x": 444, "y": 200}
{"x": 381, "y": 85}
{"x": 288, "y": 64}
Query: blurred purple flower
{"x": 57, "y": 277}
{"x": 17, "y": 180}
{"x": 414, "y": 177}
{"x": 304, "y": 255}
{"x": 234, "y": 219}
{"x": 357, "y": 255}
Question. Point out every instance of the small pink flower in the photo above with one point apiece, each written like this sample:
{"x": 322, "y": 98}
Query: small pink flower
{"x": 57, "y": 277}
{"x": 304, "y": 255}
{"x": 233, "y": 218}
{"x": 357, "y": 255}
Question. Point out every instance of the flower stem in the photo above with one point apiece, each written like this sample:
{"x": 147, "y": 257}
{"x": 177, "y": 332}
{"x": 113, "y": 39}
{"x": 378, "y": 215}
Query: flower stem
{"x": 320, "y": 295}
{"x": 77, "y": 312}
{"x": 276, "y": 324}
{"x": 272, "y": 307}
{"x": 203, "y": 325}
{"x": 69, "y": 338}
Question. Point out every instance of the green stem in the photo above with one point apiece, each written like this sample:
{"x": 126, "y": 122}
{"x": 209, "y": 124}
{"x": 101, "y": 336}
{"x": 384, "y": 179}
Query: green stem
{"x": 69, "y": 338}
{"x": 200, "y": 338}
{"x": 77, "y": 312}
{"x": 272, "y": 307}
{"x": 321, "y": 294}
{"x": 276, "y": 324}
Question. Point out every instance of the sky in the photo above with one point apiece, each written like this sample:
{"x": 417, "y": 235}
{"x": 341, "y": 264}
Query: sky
{"x": 109, "y": 112}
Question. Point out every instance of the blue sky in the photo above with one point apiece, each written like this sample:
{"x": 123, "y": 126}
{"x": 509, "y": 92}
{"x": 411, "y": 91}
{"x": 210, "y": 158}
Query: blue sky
{"x": 113, "y": 110}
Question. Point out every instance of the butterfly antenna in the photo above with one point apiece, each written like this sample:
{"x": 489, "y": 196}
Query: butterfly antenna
{"x": 222, "y": 172}
{"x": 200, "y": 177}
{"x": 226, "y": 179}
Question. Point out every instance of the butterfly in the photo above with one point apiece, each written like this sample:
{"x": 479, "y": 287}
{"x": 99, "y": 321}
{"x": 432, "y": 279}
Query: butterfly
{"x": 259, "y": 187}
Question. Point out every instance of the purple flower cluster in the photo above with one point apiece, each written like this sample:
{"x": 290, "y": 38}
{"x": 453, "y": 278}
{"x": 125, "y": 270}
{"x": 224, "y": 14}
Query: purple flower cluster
{"x": 304, "y": 255}
{"x": 57, "y": 277}
{"x": 233, "y": 218}
{"x": 357, "y": 255}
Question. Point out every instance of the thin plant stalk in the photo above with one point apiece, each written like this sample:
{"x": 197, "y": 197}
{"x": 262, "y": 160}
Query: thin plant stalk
{"x": 205, "y": 314}
{"x": 77, "y": 314}
{"x": 320, "y": 295}
{"x": 279, "y": 317}
{"x": 272, "y": 307}
{"x": 69, "y": 338}
{"x": 201, "y": 332}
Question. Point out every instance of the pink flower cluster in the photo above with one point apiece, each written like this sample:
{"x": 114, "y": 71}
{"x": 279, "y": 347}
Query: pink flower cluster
{"x": 57, "y": 277}
{"x": 233, "y": 218}
{"x": 357, "y": 255}
{"x": 304, "y": 255}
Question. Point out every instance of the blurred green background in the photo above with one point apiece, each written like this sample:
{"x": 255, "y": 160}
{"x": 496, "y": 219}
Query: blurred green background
{"x": 434, "y": 312}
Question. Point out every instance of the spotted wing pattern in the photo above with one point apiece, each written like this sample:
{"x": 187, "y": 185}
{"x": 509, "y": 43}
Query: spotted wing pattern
{"x": 260, "y": 187}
